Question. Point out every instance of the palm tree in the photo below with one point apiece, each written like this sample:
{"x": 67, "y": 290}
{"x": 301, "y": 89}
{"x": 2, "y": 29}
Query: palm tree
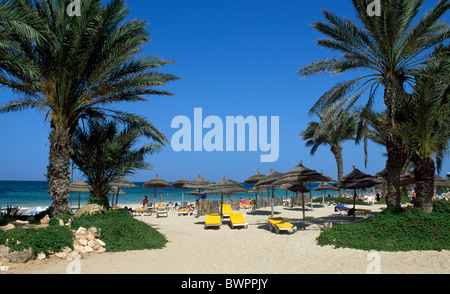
{"x": 79, "y": 67}
{"x": 426, "y": 131}
{"x": 102, "y": 153}
{"x": 333, "y": 132}
{"x": 386, "y": 49}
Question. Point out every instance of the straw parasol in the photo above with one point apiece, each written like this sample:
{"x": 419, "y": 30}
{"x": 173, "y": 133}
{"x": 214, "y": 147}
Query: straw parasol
{"x": 441, "y": 182}
{"x": 324, "y": 187}
{"x": 180, "y": 185}
{"x": 357, "y": 180}
{"x": 121, "y": 182}
{"x": 269, "y": 181}
{"x": 255, "y": 178}
{"x": 222, "y": 187}
{"x": 299, "y": 175}
{"x": 79, "y": 187}
{"x": 156, "y": 183}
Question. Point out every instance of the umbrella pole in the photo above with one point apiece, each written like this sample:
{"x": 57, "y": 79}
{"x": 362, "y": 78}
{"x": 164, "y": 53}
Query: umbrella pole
{"x": 354, "y": 203}
{"x": 154, "y": 197}
{"x": 182, "y": 196}
{"x": 273, "y": 196}
{"x": 79, "y": 197}
{"x": 303, "y": 208}
{"x": 117, "y": 197}
{"x": 221, "y": 207}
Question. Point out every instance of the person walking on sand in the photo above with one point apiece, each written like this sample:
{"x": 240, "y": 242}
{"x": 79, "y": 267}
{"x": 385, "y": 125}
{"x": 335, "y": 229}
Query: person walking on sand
{"x": 144, "y": 201}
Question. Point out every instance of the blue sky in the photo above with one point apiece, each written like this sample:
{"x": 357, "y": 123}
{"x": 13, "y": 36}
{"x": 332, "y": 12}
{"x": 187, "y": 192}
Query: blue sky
{"x": 234, "y": 58}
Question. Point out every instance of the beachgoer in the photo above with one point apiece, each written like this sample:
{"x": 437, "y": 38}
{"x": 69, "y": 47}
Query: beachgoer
{"x": 144, "y": 201}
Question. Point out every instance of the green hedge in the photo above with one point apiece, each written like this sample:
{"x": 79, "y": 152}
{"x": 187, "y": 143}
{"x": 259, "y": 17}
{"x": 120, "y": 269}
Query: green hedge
{"x": 395, "y": 230}
{"x": 119, "y": 230}
{"x": 41, "y": 240}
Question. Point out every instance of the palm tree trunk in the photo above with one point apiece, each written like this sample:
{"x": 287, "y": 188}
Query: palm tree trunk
{"x": 337, "y": 152}
{"x": 394, "y": 149}
{"x": 424, "y": 173}
{"x": 58, "y": 171}
{"x": 394, "y": 167}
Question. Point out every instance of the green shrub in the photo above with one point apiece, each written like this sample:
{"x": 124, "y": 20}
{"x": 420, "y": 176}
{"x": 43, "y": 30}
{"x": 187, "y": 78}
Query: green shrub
{"x": 121, "y": 231}
{"x": 41, "y": 240}
{"x": 338, "y": 201}
{"x": 394, "y": 230}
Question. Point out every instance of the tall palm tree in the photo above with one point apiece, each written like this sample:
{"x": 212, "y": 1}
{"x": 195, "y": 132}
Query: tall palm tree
{"x": 386, "y": 49}
{"x": 426, "y": 131}
{"x": 333, "y": 132}
{"x": 102, "y": 153}
{"x": 79, "y": 67}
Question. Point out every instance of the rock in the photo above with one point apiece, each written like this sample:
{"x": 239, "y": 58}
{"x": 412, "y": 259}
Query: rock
{"x": 101, "y": 249}
{"x": 21, "y": 256}
{"x": 100, "y": 242}
{"x": 80, "y": 231}
{"x": 88, "y": 249}
{"x": 90, "y": 208}
{"x": 95, "y": 231}
{"x": 20, "y": 223}
{"x": 4, "y": 268}
{"x": 90, "y": 236}
{"x": 327, "y": 225}
{"x": 45, "y": 220}
{"x": 9, "y": 227}
{"x": 41, "y": 256}
{"x": 83, "y": 242}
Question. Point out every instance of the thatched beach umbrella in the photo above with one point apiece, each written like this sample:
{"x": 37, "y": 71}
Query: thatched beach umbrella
{"x": 180, "y": 185}
{"x": 79, "y": 187}
{"x": 269, "y": 180}
{"x": 300, "y": 175}
{"x": 222, "y": 187}
{"x": 255, "y": 179}
{"x": 441, "y": 182}
{"x": 357, "y": 180}
{"x": 156, "y": 183}
{"x": 324, "y": 187}
{"x": 115, "y": 190}
{"x": 121, "y": 182}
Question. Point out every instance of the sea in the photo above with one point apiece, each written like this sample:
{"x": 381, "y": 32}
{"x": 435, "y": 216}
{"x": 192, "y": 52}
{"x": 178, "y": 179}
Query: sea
{"x": 32, "y": 194}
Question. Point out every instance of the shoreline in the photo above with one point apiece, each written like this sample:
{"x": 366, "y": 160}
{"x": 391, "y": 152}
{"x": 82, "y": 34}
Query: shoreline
{"x": 192, "y": 249}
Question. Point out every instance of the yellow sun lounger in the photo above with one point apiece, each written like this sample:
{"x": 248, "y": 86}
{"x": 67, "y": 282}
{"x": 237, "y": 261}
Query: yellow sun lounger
{"x": 141, "y": 211}
{"x": 227, "y": 210}
{"x": 213, "y": 220}
{"x": 278, "y": 224}
{"x": 238, "y": 220}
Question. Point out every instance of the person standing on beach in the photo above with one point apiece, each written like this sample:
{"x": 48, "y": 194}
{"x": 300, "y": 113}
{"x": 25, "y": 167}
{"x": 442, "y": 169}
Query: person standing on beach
{"x": 144, "y": 201}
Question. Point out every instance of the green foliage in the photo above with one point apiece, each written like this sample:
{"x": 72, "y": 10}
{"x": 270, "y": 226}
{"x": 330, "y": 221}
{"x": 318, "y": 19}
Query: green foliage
{"x": 121, "y": 232}
{"x": 42, "y": 240}
{"x": 338, "y": 201}
{"x": 394, "y": 230}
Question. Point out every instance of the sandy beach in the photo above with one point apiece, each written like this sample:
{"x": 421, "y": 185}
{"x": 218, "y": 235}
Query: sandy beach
{"x": 255, "y": 250}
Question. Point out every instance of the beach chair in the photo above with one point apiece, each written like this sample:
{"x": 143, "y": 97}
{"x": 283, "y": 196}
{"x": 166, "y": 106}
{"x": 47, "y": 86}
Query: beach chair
{"x": 246, "y": 206}
{"x": 348, "y": 211}
{"x": 141, "y": 211}
{"x": 161, "y": 211}
{"x": 238, "y": 220}
{"x": 185, "y": 211}
{"x": 227, "y": 210}
{"x": 278, "y": 224}
{"x": 213, "y": 220}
